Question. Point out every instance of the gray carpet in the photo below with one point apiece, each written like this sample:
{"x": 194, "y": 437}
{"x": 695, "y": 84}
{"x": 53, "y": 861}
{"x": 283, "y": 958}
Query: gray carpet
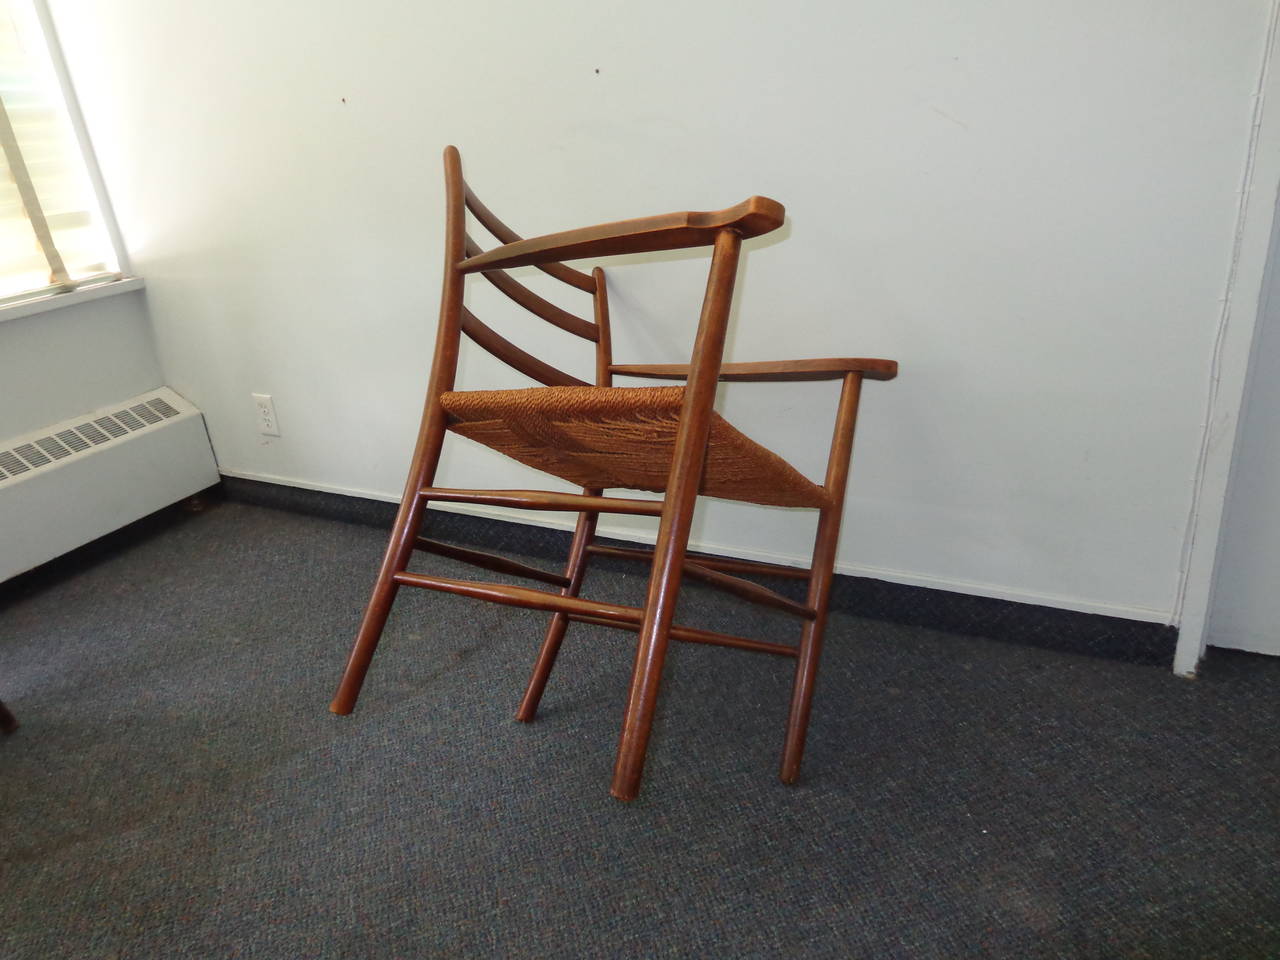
{"x": 179, "y": 789}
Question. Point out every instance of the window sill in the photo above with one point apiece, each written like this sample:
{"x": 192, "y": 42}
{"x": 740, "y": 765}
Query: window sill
{"x": 56, "y": 301}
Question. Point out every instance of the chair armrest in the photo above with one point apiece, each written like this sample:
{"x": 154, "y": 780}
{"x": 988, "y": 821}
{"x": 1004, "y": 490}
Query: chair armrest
{"x": 669, "y": 231}
{"x": 831, "y": 368}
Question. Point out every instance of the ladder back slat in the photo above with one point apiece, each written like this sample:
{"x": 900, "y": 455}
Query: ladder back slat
{"x": 535, "y": 304}
{"x": 506, "y": 351}
{"x": 575, "y": 278}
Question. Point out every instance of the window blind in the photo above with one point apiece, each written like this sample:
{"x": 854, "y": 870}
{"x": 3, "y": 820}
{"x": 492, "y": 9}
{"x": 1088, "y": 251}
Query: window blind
{"x": 53, "y": 236}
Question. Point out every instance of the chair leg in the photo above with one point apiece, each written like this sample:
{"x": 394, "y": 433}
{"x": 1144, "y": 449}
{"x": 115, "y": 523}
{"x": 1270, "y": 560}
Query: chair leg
{"x": 371, "y": 626}
{"x": 395, "y": 560}
{"x": 659, "y": 610}
{"x": 823, "y": 570}
{"x": 651, "y": 652}
{"x": 8, "y": 722}
{"x": 687, "y": 459}
{"x": 575, "y": 569}
{"x": 820, "y": 578}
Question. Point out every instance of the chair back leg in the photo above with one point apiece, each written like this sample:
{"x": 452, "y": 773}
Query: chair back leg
{"x": 426, "y": 454}
{"x": 821, "y": 574}
{"x": 396, "y": 559}
{"x": 575, "y": 570}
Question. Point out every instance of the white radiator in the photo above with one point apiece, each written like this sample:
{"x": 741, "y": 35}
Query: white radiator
{"x": 74, "y": 481}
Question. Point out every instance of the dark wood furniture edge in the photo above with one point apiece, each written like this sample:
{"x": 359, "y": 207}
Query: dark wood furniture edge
{"x": 668, "y": 231}
{"x": 827, "y": 368}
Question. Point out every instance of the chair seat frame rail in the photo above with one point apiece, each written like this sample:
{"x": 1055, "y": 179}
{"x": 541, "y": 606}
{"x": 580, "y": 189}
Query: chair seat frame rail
{"x": 669, "y": 560}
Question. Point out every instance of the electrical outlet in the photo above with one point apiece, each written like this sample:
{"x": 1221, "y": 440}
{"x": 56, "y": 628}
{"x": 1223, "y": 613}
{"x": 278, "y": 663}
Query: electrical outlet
{"x": 268, "y": 425}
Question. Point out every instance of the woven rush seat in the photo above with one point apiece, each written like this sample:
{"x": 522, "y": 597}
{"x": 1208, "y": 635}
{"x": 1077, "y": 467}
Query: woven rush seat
{"x": 611, "y": 437}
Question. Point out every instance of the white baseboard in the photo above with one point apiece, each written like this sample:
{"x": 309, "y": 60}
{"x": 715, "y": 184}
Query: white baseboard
{"x": 566, "y": 522}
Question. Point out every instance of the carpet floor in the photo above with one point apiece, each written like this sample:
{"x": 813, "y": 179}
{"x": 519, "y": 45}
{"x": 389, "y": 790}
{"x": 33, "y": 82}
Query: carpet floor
{"x": 178, "y": 787}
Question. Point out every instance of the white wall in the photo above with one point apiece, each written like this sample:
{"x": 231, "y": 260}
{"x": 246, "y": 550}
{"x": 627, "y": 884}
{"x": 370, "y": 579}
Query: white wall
{"x": 1031, "y": 206}
{"x": 61, "y": 363}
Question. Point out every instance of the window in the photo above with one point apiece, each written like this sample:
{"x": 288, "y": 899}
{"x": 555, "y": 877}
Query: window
{"x": 53, "y": 235}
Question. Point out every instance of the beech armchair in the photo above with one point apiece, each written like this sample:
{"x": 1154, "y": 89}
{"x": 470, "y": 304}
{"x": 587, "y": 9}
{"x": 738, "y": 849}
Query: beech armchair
{"x": 599, "y": 437}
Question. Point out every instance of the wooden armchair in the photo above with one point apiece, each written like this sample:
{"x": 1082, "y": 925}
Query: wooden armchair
{"x": 663, "y": 439}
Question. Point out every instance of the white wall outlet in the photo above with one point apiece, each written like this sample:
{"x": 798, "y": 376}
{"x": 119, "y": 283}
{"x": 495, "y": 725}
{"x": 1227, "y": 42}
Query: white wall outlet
{"x": 268, "y": 425}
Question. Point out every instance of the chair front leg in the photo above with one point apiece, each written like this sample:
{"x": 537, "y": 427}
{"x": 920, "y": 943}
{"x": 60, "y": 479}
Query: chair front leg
{"x": 575, "y": 570}
{"x": 687, "y": 459}
{"x": 654, "y": 637}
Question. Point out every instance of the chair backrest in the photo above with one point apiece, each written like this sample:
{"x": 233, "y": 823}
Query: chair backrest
{"x": 456, "y": 319}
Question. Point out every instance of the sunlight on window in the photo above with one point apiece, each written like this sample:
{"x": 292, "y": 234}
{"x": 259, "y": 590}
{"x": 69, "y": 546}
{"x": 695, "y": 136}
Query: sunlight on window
{"x": 52, "y": 233}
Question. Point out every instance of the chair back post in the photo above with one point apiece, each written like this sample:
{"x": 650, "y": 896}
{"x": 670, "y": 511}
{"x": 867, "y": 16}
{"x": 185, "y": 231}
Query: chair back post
{"x": 604, "y": 341}
{"x": 426, "y": 451}
{"x": 444, "y": 363}
{"x": 444, "y": 366}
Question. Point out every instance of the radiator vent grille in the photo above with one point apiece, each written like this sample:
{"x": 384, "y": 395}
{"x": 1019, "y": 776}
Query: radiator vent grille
{"x": 111, "y": 426}
{"x": 32, "y": 456}
{"x": 128, "y": 420}
{"x": 11, "y": 463}
{"x": 146, "y": 414}
{"x": 72, "y": 440}
{"x": 53, "y": 448}
{"x": 91, "y": 433}
{"x": 41, "y": 452}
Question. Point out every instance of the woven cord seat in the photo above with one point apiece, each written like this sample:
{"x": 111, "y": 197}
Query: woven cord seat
{"x": 607, "y": 437}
